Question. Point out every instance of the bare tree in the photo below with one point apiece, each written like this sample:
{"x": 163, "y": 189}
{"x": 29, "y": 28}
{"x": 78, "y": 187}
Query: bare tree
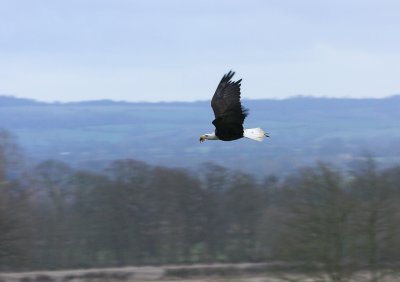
{"x": 14, "y": 201}
{"x": 318, "y": 231}
{"x": 376, "y": 218}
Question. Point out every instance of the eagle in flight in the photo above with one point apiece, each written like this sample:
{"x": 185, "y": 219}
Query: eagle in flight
{"x": 230, "y": 114}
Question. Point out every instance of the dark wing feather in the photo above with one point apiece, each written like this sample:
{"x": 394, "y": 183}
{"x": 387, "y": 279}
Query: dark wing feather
{"x": 227, "y": 95}
{"x": 229, "y": 112}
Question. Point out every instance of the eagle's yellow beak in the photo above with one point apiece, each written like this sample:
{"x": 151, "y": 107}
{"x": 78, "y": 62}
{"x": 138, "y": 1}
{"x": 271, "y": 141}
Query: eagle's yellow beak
{"x": 202, "y": 138}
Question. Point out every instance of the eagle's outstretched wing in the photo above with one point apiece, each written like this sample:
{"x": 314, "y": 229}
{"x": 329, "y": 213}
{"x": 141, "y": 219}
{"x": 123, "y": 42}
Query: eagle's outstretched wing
{"x": 227, "y": 95}
{"x": 229, "y": 112}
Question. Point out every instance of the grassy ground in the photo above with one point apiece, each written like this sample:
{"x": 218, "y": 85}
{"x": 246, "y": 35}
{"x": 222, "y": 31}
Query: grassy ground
{"x": 194, "y": 273}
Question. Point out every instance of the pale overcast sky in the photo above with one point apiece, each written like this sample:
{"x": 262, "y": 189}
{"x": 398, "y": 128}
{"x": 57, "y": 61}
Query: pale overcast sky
{"x": 54, "y": 50}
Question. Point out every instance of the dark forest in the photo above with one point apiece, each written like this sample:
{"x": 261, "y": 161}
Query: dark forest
{"x": 54, "y": 216}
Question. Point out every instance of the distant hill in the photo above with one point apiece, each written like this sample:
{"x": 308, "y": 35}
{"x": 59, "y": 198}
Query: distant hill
{"x": 10, "y": 101}
{"x": 302, "y": 130}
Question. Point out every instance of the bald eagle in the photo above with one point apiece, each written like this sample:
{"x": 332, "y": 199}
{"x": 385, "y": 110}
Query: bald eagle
{"x": 230, "y": 114}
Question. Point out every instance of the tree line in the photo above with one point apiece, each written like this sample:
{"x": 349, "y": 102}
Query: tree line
{"x": 54, "y": 216}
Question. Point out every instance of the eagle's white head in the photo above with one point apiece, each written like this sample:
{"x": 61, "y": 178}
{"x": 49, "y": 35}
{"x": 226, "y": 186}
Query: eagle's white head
{"x": 208, "y": 136}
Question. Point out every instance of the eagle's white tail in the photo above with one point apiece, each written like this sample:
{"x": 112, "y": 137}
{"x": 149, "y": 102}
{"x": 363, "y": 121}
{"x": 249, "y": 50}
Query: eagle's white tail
{"x": 255, "y": 133}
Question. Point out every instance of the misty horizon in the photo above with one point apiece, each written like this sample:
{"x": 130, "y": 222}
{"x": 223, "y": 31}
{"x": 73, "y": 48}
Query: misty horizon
{"x": 111, "y": 100}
